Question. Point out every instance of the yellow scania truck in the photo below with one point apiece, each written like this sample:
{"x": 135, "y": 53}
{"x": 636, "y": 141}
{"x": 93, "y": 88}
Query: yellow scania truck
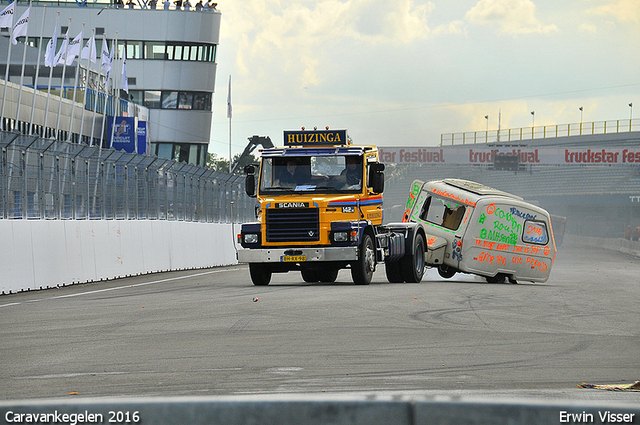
{"x": 320, "y": 210}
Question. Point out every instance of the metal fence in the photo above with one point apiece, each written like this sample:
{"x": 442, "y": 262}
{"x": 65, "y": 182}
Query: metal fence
{"x": 50, "y": 179}
{"x": 540, "y": 132}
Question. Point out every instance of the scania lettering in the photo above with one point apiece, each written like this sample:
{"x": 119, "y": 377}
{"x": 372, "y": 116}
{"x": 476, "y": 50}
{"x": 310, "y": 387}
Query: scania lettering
{"x": 320, "y": 210}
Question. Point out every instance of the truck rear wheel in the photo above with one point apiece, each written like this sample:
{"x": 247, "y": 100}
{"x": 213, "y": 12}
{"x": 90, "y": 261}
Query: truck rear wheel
{"x": 309, "y": 276}
{"x": 393, "y": 271}
{"x": 329, "y": 275}
{"x": 260, "y": 274}
{"x": 316, "y": 275}
{"x": 412, "y": 265}
{"x": 362, "y": 269}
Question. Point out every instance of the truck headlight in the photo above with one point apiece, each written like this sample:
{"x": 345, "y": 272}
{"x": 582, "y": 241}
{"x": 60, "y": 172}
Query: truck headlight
{"x": 340, "y": 236}
{"x": 251, "y": 238}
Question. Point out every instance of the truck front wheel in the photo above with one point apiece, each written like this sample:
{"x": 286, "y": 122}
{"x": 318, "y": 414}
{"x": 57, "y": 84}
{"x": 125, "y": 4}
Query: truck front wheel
{"x": 362, "y": 269}
{"x": 260, "y": 274}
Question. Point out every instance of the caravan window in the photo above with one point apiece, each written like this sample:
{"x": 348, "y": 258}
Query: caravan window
{"x": 535, "y": 232}
{"x": 442, "y": 212}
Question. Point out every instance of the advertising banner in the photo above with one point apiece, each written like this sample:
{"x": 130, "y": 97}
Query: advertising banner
{"x": 124, "y": 135}
{"x": 479, "y": 155}
{"x": 144, "y": 144}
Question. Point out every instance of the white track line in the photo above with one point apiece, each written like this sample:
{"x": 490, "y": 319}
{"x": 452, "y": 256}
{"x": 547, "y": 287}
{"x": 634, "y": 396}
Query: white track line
{"x": 118, "y": 287}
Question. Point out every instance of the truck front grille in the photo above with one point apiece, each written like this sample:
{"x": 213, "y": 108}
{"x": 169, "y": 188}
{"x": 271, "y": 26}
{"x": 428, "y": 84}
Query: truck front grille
{"x": 293, "y": 225}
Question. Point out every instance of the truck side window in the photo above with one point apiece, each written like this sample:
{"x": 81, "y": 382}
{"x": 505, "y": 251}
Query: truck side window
{"x": 535, "y": 232}
{"x": 442, "y": 212}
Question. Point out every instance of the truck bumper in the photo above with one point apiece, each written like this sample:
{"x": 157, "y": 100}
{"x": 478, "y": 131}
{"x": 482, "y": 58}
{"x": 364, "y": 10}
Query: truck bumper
{"x": 275, "y": 255}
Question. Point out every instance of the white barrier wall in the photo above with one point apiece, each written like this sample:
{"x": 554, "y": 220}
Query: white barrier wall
{"x": 40, "y": 254}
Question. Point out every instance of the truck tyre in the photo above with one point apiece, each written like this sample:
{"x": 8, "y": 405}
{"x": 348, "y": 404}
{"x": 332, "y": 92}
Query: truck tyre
{"x": 362, "y": 269}
{"x": 329, "y": 275}
{"x": 393, "y": 271}
{"x": 317, "y": 275}
{"x": 446, "y": 271}
{"x": 310, "y": 275}
{"x": 412, "y": 264}
{"x": 260, "y": 274}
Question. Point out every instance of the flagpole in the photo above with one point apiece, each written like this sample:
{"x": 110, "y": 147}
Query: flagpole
{"x": 35, "y": 80}
{"x": 52, "y": 65}
{"x": 64, "y": 69}
{"x": 86, "y": 80}
{"x": 6, "y": 72}
{"x": 95, "y": 107}
{"x": 24, "y": 59}
{"x": 75, "y": 87}
{"x": 229, "y": 115}
{"x": 117, "y": 96}
{"x": 97, "y": 90}
{"x": 106, "y": 90}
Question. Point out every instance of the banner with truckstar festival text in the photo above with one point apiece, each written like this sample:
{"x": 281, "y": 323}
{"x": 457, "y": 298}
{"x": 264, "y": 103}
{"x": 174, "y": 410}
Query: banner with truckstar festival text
{"x": 534, "y": 156}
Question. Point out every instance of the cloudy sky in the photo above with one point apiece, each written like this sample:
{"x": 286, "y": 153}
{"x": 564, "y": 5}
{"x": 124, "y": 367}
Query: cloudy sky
{"x": 403, "y": 72}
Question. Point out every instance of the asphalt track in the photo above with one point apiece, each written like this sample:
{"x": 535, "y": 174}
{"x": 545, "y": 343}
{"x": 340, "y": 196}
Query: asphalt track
{"x": 200, "y": 333}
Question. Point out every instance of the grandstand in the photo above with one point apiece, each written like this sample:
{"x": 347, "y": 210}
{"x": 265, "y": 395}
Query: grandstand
{"x": 598, "y": 199}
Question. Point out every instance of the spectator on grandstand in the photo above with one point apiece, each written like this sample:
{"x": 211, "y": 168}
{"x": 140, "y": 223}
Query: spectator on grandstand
{"x": 627, "y": 233}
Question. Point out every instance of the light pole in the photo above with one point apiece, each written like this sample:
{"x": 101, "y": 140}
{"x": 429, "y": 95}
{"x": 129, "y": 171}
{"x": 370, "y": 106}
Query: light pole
{"x": 533, "y": 123}
{"x": 486, "y": 132}
{"x": 630, "y": 115}
{"x": 581, "y": 111}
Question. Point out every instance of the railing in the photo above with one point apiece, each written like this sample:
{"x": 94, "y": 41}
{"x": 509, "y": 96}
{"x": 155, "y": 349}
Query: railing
{"x": 50, "y": 179}
{"x": 139, "y": 4}
{"x": 540, "y": 132}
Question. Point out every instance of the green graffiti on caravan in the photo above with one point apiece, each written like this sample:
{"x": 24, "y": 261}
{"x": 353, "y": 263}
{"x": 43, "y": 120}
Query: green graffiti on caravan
{"x": 509, "y": 218}
{"x": 413, "y": 195}
{"x": 494, "y": 236}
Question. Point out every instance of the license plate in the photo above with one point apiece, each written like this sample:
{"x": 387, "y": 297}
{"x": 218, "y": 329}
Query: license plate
{"x": 293, "y": 258}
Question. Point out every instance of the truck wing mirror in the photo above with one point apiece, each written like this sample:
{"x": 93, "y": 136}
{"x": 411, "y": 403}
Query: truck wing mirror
{"x": 376, "y": 177}
{"x": 250, "y": 181}
{"x": 250, "y": 185}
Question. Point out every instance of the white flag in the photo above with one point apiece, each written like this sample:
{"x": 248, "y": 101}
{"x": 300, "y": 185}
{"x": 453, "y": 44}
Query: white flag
{"x": 125, "y": 82}
{"x": 63, "y": 50}
{"x": 6, "y": 17}
{"x": 20, "y": 28}
{"x": 74, "y": 48}
{"x": 50, "y": 53}
{"x": 229, "y": 109}
{"x": 106, "y": 57}
{"x": 89, "y": 50}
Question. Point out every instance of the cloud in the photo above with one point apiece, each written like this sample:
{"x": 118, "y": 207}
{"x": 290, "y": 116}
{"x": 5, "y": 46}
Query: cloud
{"x": 621, "y": 10}
{"x": 586, "y": 27}
{"x": 305, "y": 36}
{"x": 513, "y": 17}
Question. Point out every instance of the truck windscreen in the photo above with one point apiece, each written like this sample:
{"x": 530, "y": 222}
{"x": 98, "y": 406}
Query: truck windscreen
{"x": 304, "y": 174}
